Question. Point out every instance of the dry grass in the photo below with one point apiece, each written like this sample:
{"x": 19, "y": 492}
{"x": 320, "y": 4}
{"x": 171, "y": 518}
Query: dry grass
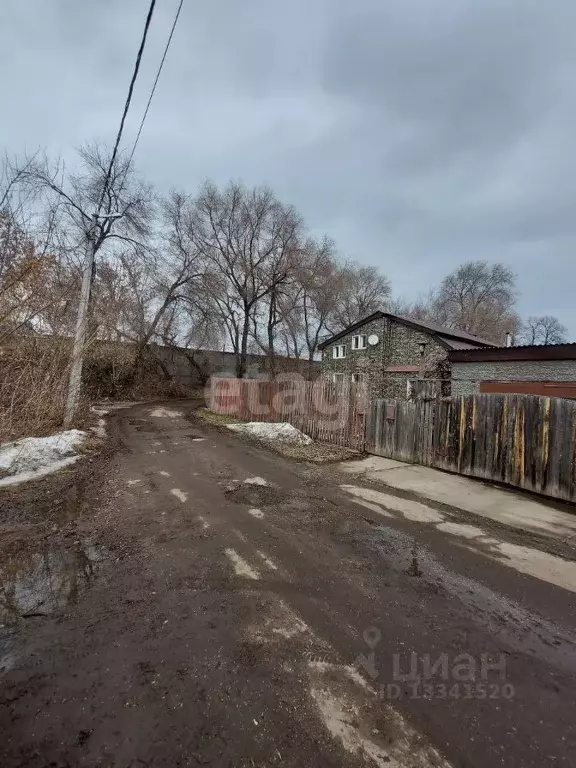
{"x": 317, "y": 453}
{"x": 33, "y": 384}
{"x": 34, "y": 379}
{"x": 216, "y": 419}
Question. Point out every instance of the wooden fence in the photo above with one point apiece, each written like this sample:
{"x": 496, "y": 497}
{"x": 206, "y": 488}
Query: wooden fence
{"x": 401, "y": 429}
{"x": 522, "y": 440}
{"x": 332, "y": 413}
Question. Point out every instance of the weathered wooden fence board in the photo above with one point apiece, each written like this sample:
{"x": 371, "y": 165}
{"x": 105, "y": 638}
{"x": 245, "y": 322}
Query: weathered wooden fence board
{"x": 522, "y": 440}
{"x": 327, "y": 412}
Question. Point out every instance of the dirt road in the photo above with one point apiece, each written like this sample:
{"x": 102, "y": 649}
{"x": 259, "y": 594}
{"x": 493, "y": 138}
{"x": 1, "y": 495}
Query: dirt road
{"x": 215, "y": 604}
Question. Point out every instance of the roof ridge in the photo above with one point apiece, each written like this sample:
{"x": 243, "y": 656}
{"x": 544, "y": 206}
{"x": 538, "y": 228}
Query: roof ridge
{"x": 432, "y": 328}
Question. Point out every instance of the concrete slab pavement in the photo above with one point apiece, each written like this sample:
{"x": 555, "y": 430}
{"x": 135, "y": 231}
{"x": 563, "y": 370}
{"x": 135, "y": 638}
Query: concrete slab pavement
{"x": 467, "y": 494}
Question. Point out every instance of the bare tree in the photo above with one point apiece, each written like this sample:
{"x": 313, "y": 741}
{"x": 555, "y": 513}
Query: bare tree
{"x": 363, "y": 290}
{"x": 544, "y": 329}
{"x": 321, "y": 280}
{"x": 34, "y": 278}
{"x": 72, "y": 198}
{"x": 248, "y": 240}
{"x": 422, "y": 308}
{"x": 325, "y": 296}
{"x": 140, "y": 298}
{"x": 478, "y": 298}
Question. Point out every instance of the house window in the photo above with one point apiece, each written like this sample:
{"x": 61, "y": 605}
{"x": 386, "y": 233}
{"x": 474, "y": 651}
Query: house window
{"x": 339, "y": 351}
{"x": 338, "y": 378}
{"x": 359, "y": 342}
{"x": 358, "y": 378}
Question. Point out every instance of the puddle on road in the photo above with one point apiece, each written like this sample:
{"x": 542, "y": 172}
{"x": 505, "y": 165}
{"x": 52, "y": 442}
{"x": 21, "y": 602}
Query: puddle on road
{"x": 525, "y": 559}
{"x": 256, "y": 495}
{"x": 44, "y": 582}
{"x": 503, "y": 617}
{"x": 72, "y": 503}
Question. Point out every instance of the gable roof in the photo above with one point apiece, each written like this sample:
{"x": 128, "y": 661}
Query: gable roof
{"x": 450, "y": 338}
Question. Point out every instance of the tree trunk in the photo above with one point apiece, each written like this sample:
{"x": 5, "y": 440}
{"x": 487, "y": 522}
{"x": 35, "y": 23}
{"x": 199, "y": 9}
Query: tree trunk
{"x": 271, "y": 325}
{"x": 241, "y": 357}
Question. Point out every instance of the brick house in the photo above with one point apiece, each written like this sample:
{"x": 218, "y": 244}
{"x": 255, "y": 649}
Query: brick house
{"x": 386, "y": 351}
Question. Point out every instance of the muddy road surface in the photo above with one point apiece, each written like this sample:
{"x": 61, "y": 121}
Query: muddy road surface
{"x": 210, "y": 603}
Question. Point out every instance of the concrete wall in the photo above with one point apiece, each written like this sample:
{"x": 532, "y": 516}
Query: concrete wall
{"x": 398, "y": 345}
{"x": 214, "y": 363}
{"x": 466, "y": 377}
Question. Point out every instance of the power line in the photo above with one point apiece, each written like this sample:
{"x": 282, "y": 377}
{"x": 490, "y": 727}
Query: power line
{"x": 128, "y": 100}
{"x": 155, "y": 82}
{"x": 75, "y": 381}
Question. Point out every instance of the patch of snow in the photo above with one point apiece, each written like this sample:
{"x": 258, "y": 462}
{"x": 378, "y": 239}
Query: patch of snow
{"x": 26, "y": 477}
{"x": 256, "y": 481}
{"x": 270, "y": 563}
{"x": 283, "y": 432}
{"x": 165, "y": 413}
{"x": 256, "y": 513}
{"x": 241, "y": 567}
{"x": 100, "y": 428}
{"x": 282, "y": 622}
{"x": 33, "y": 457}
{"x": 117, "y": 406}
{"x": 180, "y": 495}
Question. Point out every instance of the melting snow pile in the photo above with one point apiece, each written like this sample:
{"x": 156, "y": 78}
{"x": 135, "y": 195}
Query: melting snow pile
{"x": 33, "y": 457}
{"x": 283, "y": 431}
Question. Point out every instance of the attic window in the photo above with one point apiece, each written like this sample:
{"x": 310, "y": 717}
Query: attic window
{"x": 359, "y": 342}
{"x": 339, "y": 351}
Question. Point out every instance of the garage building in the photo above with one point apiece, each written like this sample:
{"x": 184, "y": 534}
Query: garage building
{"x": 548, "y": 371}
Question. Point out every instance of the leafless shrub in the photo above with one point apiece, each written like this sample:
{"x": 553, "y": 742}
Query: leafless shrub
{"x": 33, "y": 382}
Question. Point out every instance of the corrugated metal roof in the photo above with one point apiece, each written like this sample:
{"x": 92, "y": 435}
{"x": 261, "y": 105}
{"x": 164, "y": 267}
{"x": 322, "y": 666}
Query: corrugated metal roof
{"x": 531, "y": 352}
{"x": 459, "y": 343}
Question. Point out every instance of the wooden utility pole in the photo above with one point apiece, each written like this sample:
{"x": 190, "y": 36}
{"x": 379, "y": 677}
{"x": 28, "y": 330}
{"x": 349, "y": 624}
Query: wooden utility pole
{"x": 75, "y": 381}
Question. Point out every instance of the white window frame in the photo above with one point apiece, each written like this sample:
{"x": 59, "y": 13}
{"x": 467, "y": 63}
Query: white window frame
{"x": 339, "y": 351}
{"x": 360, "y": 341}
{"x": 359, "y": 377}
{"x": 338, "y": 378}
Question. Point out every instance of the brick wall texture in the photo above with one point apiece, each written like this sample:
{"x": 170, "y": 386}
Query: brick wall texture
{"x": 398, "y": 345}
{"x": 466, "y": 377}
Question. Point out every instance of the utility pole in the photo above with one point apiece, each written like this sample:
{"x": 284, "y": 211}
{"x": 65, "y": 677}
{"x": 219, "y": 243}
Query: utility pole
{"x": 75, "y": 380}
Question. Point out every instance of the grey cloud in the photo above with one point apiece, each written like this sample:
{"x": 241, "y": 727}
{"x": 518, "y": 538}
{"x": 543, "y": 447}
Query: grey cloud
{"x": 418, "y": 134}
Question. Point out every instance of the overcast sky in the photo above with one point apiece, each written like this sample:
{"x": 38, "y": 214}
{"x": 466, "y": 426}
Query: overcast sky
{"x": 417, "y": 133}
